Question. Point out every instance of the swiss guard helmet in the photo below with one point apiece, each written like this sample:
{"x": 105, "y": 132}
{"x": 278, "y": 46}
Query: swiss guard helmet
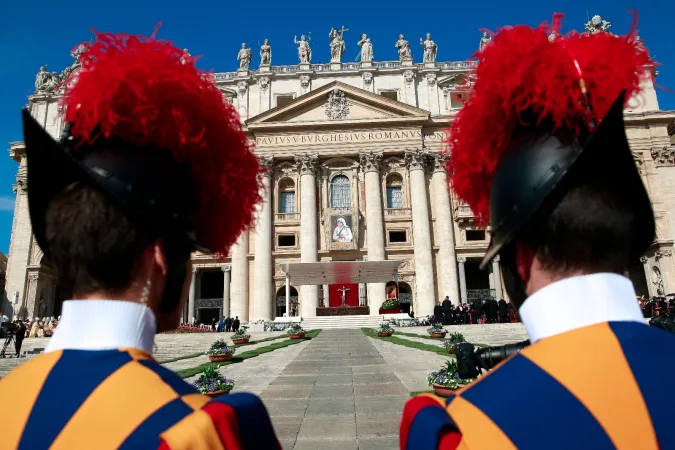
{"x": 151, "y": 133}
{"x": 545, "y": 110}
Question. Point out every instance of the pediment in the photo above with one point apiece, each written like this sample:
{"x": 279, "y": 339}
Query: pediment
{"x": 337, "y": 104}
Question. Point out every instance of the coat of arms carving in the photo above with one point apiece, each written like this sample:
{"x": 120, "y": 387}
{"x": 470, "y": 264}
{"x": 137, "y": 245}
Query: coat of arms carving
{"x": 337, "y": 107}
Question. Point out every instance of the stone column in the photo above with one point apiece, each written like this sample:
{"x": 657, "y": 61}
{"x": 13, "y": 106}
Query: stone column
{"x": 370, "y": 164}
{"x": 424, "y": 269}
{"x": 226, "y": 290}
{"x": 445, "y": 231}
{"x": 462, "y": 278}
{"x": 307, "y": 166}
{"x": 263, "y": 247}
{"x": 239, "y": 284}
{"x": 31, "y": 295}
{"x": 645, "y": 265}
{"x": 191, "y": 298}
{"x": 496, "y": 273}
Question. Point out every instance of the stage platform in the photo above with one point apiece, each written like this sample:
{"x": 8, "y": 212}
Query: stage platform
{"x": 344, "y": 322}
{"x": 343, "y": 311}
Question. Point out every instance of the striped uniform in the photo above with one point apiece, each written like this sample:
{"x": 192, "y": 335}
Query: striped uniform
{"x": 597, "y": 387}
{"x": 102, "y": 399}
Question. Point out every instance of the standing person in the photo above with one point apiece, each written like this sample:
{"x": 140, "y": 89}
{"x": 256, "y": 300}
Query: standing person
{"x": 446, "y": 307}
{"x": 235, "y": 324}
{"x": 438, "y": 313}
{"x": 228, "y": 324}
{"x": 221, "y": 325}
{"x": 543, "y": 117}
{"x": 153, "y": 166}
{"x": 19, "y": 337}
{"x": 503, "y": 314}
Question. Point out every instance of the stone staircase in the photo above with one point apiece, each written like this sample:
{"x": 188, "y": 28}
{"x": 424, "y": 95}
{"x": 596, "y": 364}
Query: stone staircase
{"x": 344, "y": 322}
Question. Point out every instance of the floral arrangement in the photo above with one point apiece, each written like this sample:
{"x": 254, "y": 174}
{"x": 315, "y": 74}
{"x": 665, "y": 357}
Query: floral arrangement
{"x": 220, "y": 347}
{"x": 454, "y": 339}
{"x": 390, "y": 304}
{"x": 295, "y": 329}
{"x": 212, "y": 381}
{"x": 448, "y": 376}
{"x": 436, "y": 328}
{"x": 241, "y": 334}
{"x": 385, "y": 328}
{"x": 412, "y": 322}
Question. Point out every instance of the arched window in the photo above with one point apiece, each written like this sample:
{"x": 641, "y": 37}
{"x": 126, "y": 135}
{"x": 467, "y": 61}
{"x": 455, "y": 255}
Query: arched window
{"x": 339, "y": 192}
{"x": 394, "y": 191}
{"x": 287, "y": 196}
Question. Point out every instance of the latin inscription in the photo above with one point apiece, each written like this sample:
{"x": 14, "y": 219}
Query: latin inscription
{"x": 325, "y": 138}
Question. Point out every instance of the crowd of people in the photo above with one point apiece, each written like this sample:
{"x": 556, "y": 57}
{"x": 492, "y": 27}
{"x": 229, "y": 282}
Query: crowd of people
{"x": 481, "y": 311}
{"x": 657, "y": 306}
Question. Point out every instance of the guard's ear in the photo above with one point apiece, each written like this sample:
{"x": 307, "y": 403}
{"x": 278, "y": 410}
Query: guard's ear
{"x": 524, "y": 260}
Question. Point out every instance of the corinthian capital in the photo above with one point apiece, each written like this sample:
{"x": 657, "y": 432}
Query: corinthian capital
{"x": 267, "y": 162}
{"x": 415, "y": 159}
{"x": 307, "y": 163}
{"x": 439, "y": 161}
{"x": 371, "y": 161}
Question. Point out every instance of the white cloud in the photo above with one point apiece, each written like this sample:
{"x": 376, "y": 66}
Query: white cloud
{"x": 6, "y": 203}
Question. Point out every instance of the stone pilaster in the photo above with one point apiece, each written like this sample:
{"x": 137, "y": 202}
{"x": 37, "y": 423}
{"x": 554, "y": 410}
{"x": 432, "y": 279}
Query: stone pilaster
{"x": 31, "y": 295}
{"x": 370, "y": 164}
{"x": 307, "y": 167}
{"x": 263, "y": 247}
{"x": 462, "y": 278}
{"x": 424, "y": 271}
{"x": 445, "y": 231}
{"x": 645, "y": 265}
{"x": 191, "y": 299}
{"x": 497, "y": 274}
{"x": 239, "y": 283}
{"x": 226, "y": 290}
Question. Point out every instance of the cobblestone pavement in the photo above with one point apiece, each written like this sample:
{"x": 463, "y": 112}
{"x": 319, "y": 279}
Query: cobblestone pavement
{"x": 167, "y": 346}
{"x": 488, "y": 334}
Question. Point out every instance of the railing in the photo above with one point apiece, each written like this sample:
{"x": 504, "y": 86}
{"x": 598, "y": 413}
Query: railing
{"x": 397, "y": 212}
{"x": 285, "y": 69}
{"x": 387, "y": 64}
{"x": 225, "y": 76}
{"x": 481, "y": 294}
{"x": 351, "y": 66}
{"x": 320, "y": 67}
{"x": 280, "y": 217}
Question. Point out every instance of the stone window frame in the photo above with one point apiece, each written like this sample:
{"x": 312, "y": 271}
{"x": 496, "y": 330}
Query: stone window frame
{"x": 406, "y": 230}
{"x": 394, "y": 165}
{"x": 282, "y": 171}
{"x": 388, "y": 182}
{"x": 331, "y": 178}
{"x": 333, "y": 167}
{"x": 397, "y": 90}
{"x": 280, "y": 188}
{"x": 276, "y": 95}
{"x": 278, "y": 233}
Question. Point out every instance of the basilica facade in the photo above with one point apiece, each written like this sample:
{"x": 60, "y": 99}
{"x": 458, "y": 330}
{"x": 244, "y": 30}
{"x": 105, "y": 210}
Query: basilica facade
{"x": 353, "y": 172}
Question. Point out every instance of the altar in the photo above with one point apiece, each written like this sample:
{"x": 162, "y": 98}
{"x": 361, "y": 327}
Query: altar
{"x": 342, "y": 278}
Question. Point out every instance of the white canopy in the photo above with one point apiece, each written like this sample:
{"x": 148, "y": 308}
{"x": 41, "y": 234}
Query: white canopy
{"x": 341, "y": 272}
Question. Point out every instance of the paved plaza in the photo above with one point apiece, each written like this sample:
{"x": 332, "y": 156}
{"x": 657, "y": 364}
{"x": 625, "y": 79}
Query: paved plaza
{"x": 339, "y": 390}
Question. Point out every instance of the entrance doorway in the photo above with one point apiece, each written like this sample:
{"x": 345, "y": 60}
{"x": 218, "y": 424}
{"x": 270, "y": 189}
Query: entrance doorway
{"x": 477, "y": 283}
{"x": 211, "y": 284}
{"x": 281, "y": 301}
{"x": 405, "y": 297}
{"x": 636, "y": 273}
{"x": 208, "y": 315}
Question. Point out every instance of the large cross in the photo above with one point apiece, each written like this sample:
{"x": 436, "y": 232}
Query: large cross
{"x": 344, "y": 291}
{"x": 342, "y": 31}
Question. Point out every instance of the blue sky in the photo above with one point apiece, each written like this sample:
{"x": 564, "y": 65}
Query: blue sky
{"x": 38, "y": 32}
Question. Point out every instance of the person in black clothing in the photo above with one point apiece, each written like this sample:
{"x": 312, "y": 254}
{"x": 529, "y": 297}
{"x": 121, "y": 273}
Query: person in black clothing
{"x": 492, "y": 310}
{"x": 438, "y": 314}
{"x": 235, "y": 324}
{"x": 447, "y": 311}
{"x": 465, "y": 314}
{"x": 503, "y": 314}
{"x": 228, "y": 324}
{"x": 18, "y": 338}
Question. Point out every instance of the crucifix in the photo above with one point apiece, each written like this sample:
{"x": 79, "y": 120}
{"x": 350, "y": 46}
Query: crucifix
{"x": 344, "y": 291}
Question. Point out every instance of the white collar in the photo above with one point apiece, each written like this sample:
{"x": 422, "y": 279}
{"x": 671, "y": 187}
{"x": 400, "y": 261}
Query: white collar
{"x": 578, "y": 302}
{"x": 104, "y": 325}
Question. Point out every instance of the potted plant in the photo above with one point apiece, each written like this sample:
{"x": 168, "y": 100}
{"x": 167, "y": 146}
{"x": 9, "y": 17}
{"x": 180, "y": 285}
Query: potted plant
{"x": 454, "y": 339}
{"x": 391, "y": 306}
{"x": 240, "y": 337}
{"x": 212, "y": 383}
{"x": 296, "y": 332}
{"x": 385, "y": 330}
{"x": 220, "y": 351}
{"x": 437, "y": 331}
{"x": 447, "y": 380}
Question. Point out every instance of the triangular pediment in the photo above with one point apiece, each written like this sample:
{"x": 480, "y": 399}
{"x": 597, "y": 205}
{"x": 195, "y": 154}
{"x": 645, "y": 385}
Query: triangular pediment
{"x": 337, "y": 104}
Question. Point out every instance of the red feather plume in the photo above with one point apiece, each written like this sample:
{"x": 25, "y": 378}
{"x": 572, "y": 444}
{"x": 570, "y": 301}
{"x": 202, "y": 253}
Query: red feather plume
{"x": 522, "y": 70}
{"x": 146, "y": 91}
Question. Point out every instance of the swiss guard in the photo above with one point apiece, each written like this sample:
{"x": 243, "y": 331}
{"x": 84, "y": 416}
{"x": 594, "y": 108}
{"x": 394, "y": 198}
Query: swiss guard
{"x": 153, "y": 165}
{"x": 540, "y": 154}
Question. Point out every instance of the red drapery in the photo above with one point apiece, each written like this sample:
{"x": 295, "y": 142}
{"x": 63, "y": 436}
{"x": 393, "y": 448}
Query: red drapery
{"x": 335, "y": 295}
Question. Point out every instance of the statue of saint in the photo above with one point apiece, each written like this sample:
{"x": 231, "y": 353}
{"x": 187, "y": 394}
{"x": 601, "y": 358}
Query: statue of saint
{"x": 484, "y": 41}
{"x": 304, "y": 50}
{"x": 366, "y": 48}
{"x": 185, "y": 57}
{"x": 244, "y": 57}
{"x": 403, "y": 47}
{"x": 266, "y": 53}
{"x": 430, "y": 49}
{"x": 43, "y": 80}
{"x": 337, "y": 44}
{"x": 597, "y": 25}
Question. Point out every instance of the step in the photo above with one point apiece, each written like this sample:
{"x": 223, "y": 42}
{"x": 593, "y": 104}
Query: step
{"x": 344, "y": 322}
